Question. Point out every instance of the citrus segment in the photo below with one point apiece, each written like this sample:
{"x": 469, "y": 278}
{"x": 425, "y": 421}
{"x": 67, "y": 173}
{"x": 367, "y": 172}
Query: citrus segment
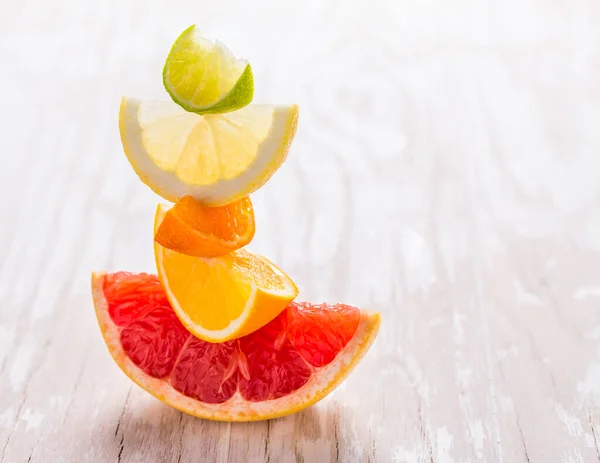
{"x": 202, "y": 371}
{"x": 127, "y": 292}
{"x": 287, "y": 371}
{"x": 266, "y": 374}
{"x": 191, "y": 228}
{"x": 216, "y": 158}
{"x": 316, "y": 345}
{"x": 204, "y": 77}
{"x": 155, "y": 353}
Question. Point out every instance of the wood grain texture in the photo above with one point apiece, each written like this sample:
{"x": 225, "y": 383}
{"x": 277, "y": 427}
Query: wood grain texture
{"x": 446, "y": 171}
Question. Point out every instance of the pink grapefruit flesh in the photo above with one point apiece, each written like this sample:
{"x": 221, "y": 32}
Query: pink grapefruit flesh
{"x": 287, "y": 365}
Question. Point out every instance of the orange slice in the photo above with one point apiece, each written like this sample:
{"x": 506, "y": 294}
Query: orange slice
{"x": 192, "y": 228}
{"x": 289, "y": 364}
{"x": 225, "y": 297}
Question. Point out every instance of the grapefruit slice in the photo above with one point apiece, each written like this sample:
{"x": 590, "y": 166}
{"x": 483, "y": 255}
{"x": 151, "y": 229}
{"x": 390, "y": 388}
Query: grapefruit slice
{"x": 287, "y": 365}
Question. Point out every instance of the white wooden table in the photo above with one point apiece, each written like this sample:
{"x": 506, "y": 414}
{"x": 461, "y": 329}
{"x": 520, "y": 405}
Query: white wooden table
{"x": 446, "y": 171}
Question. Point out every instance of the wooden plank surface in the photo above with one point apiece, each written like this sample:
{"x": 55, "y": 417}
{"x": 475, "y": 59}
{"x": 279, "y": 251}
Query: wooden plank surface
{"x": 446, "y": 171}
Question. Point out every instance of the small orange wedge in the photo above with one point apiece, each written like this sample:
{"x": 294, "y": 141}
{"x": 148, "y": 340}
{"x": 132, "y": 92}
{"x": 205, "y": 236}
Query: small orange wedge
{"x": 225, "y": 297}
{"x": 194, "y": 229}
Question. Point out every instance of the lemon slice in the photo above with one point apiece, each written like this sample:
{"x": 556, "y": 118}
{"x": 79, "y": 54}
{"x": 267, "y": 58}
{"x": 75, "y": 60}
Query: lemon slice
{"x": 204, "y": 77}
{"x": 225, "y": 297}
{"x": 216, "y": 158}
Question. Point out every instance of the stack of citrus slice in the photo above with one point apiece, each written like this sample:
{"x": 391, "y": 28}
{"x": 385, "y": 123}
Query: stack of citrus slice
{"x": 218, "y": 334}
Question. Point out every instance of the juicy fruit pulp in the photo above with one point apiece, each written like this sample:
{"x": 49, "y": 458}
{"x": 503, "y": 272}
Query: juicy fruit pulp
{"x": 274, "y": 362}
{"x": 193, "y": 229}
{"x": 268, "y": 363}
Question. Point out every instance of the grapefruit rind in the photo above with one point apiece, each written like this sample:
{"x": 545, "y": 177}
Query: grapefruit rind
{"x": 322, "y": 382}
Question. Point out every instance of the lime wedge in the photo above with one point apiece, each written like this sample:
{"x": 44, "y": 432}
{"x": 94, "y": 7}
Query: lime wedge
{"x": 204, "y": 77}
